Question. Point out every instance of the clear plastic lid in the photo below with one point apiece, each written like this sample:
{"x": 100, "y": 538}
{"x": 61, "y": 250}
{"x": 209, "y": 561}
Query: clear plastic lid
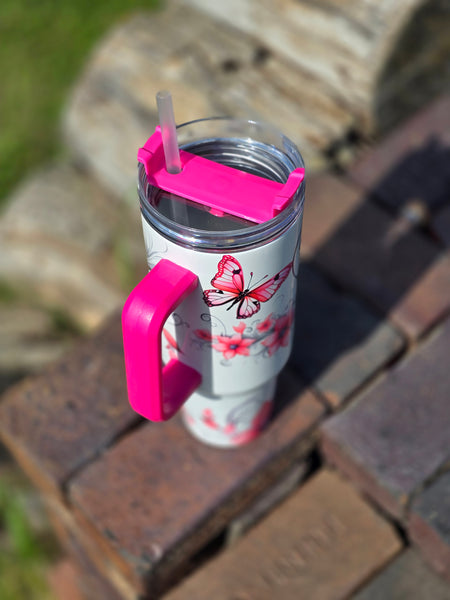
{"x": 248, "y": 146}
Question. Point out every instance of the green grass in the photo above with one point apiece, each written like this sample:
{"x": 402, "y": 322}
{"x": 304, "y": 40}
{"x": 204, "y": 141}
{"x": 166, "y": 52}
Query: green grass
{"x": 44, "y": 45}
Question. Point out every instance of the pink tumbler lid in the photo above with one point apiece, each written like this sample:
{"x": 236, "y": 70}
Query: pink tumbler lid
{"x": 223, "y": 189}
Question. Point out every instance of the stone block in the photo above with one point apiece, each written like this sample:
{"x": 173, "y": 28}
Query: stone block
{"x": 395, "y": 436}
{"x": 412, "y": 162}
{"x": 338, "y": 343}
{"x": 158, "y": 496}
{"x": 406, "y": 577}
{"x": 59, "y": 420}
{"x": 429, "y": 524}
{"x": 322, "y": 542}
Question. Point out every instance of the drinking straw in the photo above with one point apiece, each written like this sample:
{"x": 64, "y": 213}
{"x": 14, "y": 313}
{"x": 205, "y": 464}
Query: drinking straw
{"x": 168, "y": 131}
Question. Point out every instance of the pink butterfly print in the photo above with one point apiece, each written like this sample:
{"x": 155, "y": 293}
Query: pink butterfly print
{"x": 230, "y": 288}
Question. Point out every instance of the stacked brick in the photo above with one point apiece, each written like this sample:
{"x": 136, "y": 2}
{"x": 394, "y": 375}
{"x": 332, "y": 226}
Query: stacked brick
{"x": 346, "y": 493}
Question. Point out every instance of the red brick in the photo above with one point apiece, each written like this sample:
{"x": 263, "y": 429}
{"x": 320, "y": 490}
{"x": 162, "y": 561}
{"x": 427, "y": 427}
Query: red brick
{"x": 395, "y": 437}
{"x": 412, "y": 162}
{"x": 159, "y": 495}
{"x": 330, "y": 202}
{"x": 429, "y": 524}
{"x": 322, "y": 542}
{"x": 441, "y": 226}
{"x": 405, "y": 578}
{"x": 428, "y": 300}
{"x": 96, "y": 577}
{"x": 63, "y": 579}
{"x": 267, "y": 501}
{"x": 58, "y": 421}
{"x": 392, "y": 267}
{"x": 338, "y": 343}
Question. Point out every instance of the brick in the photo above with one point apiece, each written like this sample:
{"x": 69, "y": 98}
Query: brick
{"x": 338, "y": 343}
{"x": 395, "y": 437}
{"x": 330, "y": 202}
{"x": 412, "y": 162}
{"x": 266, "y": 502}
{"x": 55, "y": 423}
{"x": 429, "y": 524}
{"x": 63, "y": 578}
{"x": 407, "y": 577}
{"x": 427, "y": 301}
{"x": 96, "y": 578}
{"x": 321, "y": 543}
{"x": 158, "y": 496}
{"x": 441, "y": 226}
{"x": 394, "y": 268}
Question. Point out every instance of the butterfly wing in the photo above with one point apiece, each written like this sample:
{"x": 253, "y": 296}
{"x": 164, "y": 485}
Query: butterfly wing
{"x": 266, "y": 290}
{"x": 229, "y": 276}
{"x": 218, "y": 297}
{"x": 228, "y": 281}
{"x": 247, "y": 307}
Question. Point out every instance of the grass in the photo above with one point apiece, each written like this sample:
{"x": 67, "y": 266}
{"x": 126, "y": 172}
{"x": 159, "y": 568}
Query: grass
{"x": 44, "y": 45}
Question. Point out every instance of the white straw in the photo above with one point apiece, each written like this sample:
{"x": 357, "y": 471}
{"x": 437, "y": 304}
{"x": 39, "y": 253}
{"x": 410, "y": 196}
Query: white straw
{"x": 168, "y": 132}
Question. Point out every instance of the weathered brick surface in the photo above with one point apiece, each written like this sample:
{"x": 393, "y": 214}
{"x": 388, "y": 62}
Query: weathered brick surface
{"x": 441, "y": 225}
{"x": 406, "y": 578}
{"x": 159, "y": 495}
{"x": 63, "y": 579}
{"x": 330, "y": 202}
{"x": 396, "y": 435}
{"x": 429, "y": 524}
{"x": 338, "y": 343}
{"x": 321, "y": 543}
{"x": 266, "y": 501}
{"x": 392, "y": 267}
{"x": 428, "y": 300}
{"x": 412, "y": 162}
{"x": 96, "y": 577}
{"x": 56, "y": 422}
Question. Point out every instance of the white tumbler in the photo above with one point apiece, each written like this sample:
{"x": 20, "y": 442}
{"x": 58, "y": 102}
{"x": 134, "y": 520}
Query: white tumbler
{"x": 210, "y": 327}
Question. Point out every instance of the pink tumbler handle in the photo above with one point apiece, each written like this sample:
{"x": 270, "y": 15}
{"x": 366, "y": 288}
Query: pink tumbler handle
{"x": 156, "y": 392}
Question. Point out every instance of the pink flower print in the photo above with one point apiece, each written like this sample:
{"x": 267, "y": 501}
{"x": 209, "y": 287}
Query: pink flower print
{"x": 203, "y": 334}
{"x": 208, "y": 419}
{"x": 280, "y": 335}
{"x": 258, "y": 422}
{"x": 239, "y": 328}
{"x": 230, "y": 346}
{"x": 265, "y": 325}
